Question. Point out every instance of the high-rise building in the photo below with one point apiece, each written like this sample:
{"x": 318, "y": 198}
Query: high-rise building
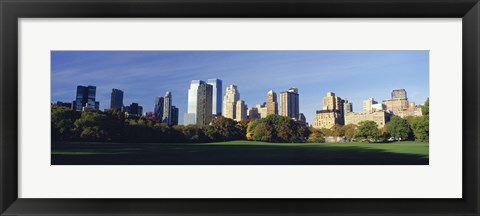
{"x": 289, "y": 103}
{"x": 272, "y": 104}
{"x": 332, "y": 102}
{"x": 217, "y": 96}
{"x": 190, "y": 116}
{"x": 167, "y": 108}
{"x": 332, "y": 113}
{"x": 367, "y": 105}
{"x": 241, "y": 110}
{"x": 116, "y": 100}
{"x": 230, "y": 101}
{"x": 252, "y": 113}
{"x": 158, "y": 110}
{"x": 85, "y": 97}
{"x": 399, "y": 94}
{"x": 348, "y": 106}
{"x": 140, "y": 110}
{"x": 174, "y": 115}
{"x": 204, "y": 104}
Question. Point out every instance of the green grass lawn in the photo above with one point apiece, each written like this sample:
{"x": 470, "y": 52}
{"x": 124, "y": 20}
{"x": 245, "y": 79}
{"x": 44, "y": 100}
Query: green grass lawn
{"x": 240, "y": 153}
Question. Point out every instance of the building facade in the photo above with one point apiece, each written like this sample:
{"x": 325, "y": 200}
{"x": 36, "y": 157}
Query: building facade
{"x": 252, "y": 113}
{"x": 241, "y": 111}
{"x": 290, "y": 103}
{"x": 167, "y": 108}
{"x": 204, "y": 104}
{"x": 399, "y": 94}
{"x": 217, "y": 96}
{"x": 190, "y": 116}
{"x": 116, "y": 99}
{"x": 327, "y": 119}
{"x": 262, "y": 110}
{"x": 348, "y": 107}
{"x": 368, "y": 104}
{"x": 232, "y": 95}
{"x": 85, "y": 98}
{"x": 174, "y": 115}
{"x": 272, "y": 104}
{"x": 380, "y": 117}
{"x": 158, "y": 110}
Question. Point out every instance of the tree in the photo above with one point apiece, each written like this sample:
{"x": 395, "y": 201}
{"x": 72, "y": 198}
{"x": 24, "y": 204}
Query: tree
{"x": 349, "y": 131}
{"x": 398, "y": 128}
{"x": 92, "y": 126}
{"x": 227, "y": 129}
{"x": 426, "y": 107}
{"x": 62, "y": 120}
{"x": 316, "y": 137}
{"x": 368, "y": 131}
{"x": 420, "y": 127}
{"x": 337, "y": 131}
{"x": 263, "y": 132}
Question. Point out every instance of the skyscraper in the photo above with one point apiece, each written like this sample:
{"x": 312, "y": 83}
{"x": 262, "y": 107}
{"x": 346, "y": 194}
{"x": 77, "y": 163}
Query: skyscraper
{"x": 190, "y": 116}
{"x": 116, "y": 100}
{"x": 204, "y": 104}
{"x": 174, "y": 115}
{"x": 85, "y": 97}
{"x": 230, "y": 101}
{"x": 167, "y": 108}
{"x": 241, "y": 110}
{"x": 217, "y": 96}
{"x": 272, "y": 104}
{"x": 158, "y": 112}
{"x": 290, "y": 104}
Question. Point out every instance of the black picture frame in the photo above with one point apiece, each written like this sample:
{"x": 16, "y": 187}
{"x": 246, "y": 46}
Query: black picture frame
{"x": 12, "y": 10}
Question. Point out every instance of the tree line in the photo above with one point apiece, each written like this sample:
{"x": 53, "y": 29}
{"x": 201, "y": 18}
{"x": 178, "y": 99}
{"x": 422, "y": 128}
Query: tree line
{"x": 112, "y": 126}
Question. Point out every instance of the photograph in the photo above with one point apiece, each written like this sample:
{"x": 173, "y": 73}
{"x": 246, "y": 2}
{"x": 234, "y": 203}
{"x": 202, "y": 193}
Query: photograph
{"x": 239, "y": 107}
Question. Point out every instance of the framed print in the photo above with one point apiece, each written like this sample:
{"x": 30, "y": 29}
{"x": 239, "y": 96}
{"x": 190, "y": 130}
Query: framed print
{"x": 225, "y": 107}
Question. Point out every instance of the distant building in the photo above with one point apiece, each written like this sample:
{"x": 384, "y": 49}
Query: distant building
{"x": 333, "y": 103}
{"x": 367, "y": 105}
{"x": 167, "y": 108}
{"x": 302, "y": 120}
{"x": 332, "y": 112}
{"x": 190, "y": 116}
{"x": 133, "y": 109}
{"x": 174, "y": 115}
{"x": 262, "y": 110}
{"x": 204, "y": 104}
{"x": 116, "y": 99}
{"x": 272, "y": 104}
{"x": 327, "y": 119}
{"x": 399, "y": 94}
{"x": 232, "y": 95}
{"x": 241, "y": 110}
{"x": 348, "y": 107}
{"x": 85, "y": 97}
{"x": 158, "y": 110}
{"x": 252, "y": 113}
{"x": 217, "y": 96}
{"x": 189, "y": 119}
{"x": 380, "y": 117}
{"x": 62, "y": 104}
{"x": 290, "y": 103}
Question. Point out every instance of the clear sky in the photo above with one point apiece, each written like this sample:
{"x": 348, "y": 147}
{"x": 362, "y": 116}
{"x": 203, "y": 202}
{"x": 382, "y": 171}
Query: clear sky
{"x": 143, "y": 75}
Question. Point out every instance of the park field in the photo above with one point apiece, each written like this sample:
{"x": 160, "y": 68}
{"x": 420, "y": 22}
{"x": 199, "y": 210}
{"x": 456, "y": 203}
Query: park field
{"x": 240, "y": 153}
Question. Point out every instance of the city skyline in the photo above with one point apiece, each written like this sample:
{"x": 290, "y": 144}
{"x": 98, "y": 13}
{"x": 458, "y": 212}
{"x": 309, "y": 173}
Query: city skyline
{"x": 353, "y": 75}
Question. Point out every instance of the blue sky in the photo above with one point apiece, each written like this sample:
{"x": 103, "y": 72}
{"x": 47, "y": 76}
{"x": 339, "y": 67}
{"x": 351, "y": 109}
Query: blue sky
{"x": 143, "y": 75}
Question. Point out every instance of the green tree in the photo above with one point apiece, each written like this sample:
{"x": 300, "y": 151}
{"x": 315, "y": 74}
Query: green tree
{"x": 426, "y": 107}
{"x": 398, "y": 128}
{"x": 349, "y": 131}
{"x": 368, "y": 131}
{"x": 337, "y": 131}
{"x": 91, "y": 126}
{"x": 228, "y": 129}
{"x": 316, "y": 136}
{"x": 62, "y": 120}
{"x": 420, "y": 127}
{"x": 263, "y": 132}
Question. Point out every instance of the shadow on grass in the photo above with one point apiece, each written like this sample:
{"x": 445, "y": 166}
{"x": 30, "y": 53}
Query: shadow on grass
{"x": 225, "y": 154}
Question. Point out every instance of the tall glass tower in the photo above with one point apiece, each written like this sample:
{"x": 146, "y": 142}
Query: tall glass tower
{"x": 217, "y": 96}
